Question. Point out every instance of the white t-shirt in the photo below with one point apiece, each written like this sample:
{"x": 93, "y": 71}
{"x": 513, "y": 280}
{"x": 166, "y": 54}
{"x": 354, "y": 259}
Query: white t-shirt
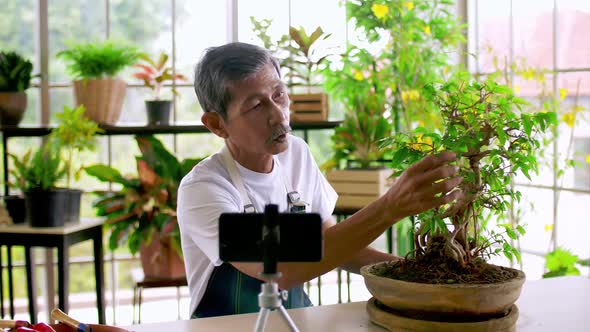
{"x": 207, "y": 191}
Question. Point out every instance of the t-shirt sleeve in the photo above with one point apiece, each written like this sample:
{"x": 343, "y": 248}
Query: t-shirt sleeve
{"x": 324, "y": 196}
{"x": 200, "y": 203}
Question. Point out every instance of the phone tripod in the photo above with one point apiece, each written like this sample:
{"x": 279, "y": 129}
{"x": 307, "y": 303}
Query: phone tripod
{"x": 271, "y": 299}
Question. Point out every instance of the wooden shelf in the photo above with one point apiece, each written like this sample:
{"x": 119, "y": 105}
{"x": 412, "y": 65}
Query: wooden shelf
{"x": 24, "y": 131}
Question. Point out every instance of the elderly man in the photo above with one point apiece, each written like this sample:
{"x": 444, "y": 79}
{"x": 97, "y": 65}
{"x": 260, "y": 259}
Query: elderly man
{"x": 245, "y": 102}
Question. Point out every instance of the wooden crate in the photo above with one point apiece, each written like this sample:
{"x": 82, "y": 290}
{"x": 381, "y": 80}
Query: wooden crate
{"x": 309, "y": 107}
{"x": 358, "y": 188}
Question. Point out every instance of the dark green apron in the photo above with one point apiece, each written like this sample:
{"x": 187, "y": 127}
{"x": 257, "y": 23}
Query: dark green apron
{"x": 231, "y": 292}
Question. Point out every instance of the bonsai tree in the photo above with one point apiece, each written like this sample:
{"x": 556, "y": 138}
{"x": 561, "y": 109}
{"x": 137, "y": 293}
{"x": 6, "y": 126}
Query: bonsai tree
{"x": 493, "y": 140}
{"x": 405, "y": 45}
{"x": 154, "y": 74}
{"x": 15, "y": 79}
{"x": 94, "y": 67}
{"x": 146, "y": 204}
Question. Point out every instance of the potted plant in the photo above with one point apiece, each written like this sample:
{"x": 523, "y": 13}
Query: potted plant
{"x": 143, "y": 213}
{"x": 402, "y": 46}
{"x": 302, "y": 62}
{"x": 94, "y": 67}
{"x": 74, "y": 134}
{"x": 447, "y": 278}
{"x": 36, "y": 174}
{"x": 15, "y": 79}
{"x": 154, "y": 74}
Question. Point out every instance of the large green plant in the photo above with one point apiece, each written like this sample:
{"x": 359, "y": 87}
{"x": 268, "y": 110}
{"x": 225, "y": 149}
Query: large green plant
{"x": 405, "y": 45}
{"x": 562, "y": 262}
{"x": 98, "y": 60}
{"x": 146, "y": 203}
{"x": 493, "y": 140}
{"x": 15, "y": 72}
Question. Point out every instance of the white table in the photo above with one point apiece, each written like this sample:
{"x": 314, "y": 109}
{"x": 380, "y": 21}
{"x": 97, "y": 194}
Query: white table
{"x": 548, "y": 305}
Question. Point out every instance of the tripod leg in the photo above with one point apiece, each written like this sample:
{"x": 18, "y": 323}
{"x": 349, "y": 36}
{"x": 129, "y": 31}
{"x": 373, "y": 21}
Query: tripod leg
{"x": 261, "y": 320}
{"x": 288, "y": 319}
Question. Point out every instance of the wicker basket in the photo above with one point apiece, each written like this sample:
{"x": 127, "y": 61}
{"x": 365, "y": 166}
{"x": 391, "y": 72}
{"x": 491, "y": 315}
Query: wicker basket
{"x": 103, "y": 98}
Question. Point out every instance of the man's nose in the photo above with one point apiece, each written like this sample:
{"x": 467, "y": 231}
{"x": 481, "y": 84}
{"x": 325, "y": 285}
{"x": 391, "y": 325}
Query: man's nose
{"x": 279, "y": 114}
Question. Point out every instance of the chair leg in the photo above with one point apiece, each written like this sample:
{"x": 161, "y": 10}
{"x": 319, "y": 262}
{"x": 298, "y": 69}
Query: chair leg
{"x": 139, "y": 306}
{"x": 134, "y": 302}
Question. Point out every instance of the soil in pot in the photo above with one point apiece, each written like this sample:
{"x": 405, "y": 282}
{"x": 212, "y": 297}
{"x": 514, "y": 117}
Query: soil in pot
{"x": 435, "y": 267}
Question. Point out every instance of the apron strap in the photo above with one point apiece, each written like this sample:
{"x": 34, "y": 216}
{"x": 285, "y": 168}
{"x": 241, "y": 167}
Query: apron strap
{"x": 230, "y": 165}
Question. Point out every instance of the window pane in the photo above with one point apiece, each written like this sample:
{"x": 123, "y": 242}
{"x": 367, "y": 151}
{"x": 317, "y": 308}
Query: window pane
{"x": 17, "y": 27}
{"x": 197, "y": 145}
{"x": 574, "y": 140}
{"x": 199, "y": 24}
{"x": 72, "y": 21}
{"x": 188, "y": 109}
{"x": 573, "y": 224}
{"x": 134, "y": 110}
{"x": 533, "y": 266}
{"x": 493, "y": 38}
{"x": 573, "y": 23}
{"x": 533, "y": 31}
{"x": 275, "y": 10}
{"x": 60, "y": 97}
{"x": 147, "y": 24}
{"x": 537, "y": 215}
{"x": 31, "y": 116}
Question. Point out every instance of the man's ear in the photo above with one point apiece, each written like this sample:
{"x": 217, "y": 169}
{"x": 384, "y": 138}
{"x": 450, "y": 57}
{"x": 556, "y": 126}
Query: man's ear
{"x": 215, "y": 124}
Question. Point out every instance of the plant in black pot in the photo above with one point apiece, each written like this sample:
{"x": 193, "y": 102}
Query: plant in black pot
{"x": 37, "y": 174}
{"x": 15, "y": 79}
{"x": 74, "y": 134}
{"x": 154, "y": 74}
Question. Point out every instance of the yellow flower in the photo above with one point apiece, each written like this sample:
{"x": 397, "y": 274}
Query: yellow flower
{"x": 548, "y": 227}
{"x": 517, "y": 89}
{"x": 379, "y": 10}
{"x": 414, "y": 94}
{"x": 405, "y": 96}
{"x": 588, "y": 158}
{"x": 426, "y": 30}
{"x": 569, "y": 119}
{"x": 562, "y": 93}
{"x": 358, "y": 75}
{"x": 446, "y": 70}
{"x": 409, "y": 5}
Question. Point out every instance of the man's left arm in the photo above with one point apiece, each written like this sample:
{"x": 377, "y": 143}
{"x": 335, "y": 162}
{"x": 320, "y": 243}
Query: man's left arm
{"x": 364, "y": 257}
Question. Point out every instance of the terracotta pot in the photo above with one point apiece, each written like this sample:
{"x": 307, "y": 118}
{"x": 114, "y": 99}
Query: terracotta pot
{"x": 103, "y": 98}
{"x": 159, "y": 260}
{"x": 12, "y": 107}
{"x": 466, "y": 299}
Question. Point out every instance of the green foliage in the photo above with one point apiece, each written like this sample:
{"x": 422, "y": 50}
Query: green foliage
{"x": 297, "y": 52}
{"x": 98, "y": 60}
{"x": 15, "y": 72}
{"x": 494, "y": 140}
{"x": 146, "y": 203}
{"x": 562, "y": 262}
{"x": 155, "y": 73}
{"x": 75, "y": 133}
{"x": 41, "y": 171}
{"x": 381, "y": 84}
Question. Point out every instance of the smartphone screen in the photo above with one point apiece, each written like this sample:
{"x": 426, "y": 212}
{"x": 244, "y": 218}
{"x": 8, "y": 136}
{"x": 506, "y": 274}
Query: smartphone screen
{"x": 300, "y": 237}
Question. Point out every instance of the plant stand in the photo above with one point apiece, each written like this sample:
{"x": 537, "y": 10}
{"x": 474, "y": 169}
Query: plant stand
{"x": 309, "y": 107}
{"x": 393, "y": 321}
{"x": 357, "y": 188}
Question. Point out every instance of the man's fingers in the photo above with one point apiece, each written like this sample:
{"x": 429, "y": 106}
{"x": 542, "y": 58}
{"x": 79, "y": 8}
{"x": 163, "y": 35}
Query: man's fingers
{"x": 446, "y": 186}
{"x": 432, "y": 162}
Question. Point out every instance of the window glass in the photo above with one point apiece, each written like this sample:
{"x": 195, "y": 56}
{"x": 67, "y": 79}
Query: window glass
{"x": 573, "y": 23}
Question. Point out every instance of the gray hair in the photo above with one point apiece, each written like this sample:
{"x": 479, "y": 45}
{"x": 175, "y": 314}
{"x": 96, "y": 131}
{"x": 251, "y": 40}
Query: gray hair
{"x": 223, "y": 64}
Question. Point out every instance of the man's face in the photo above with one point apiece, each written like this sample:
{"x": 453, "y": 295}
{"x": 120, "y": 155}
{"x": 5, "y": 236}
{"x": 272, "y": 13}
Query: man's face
{"x": 258, "y": 113}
